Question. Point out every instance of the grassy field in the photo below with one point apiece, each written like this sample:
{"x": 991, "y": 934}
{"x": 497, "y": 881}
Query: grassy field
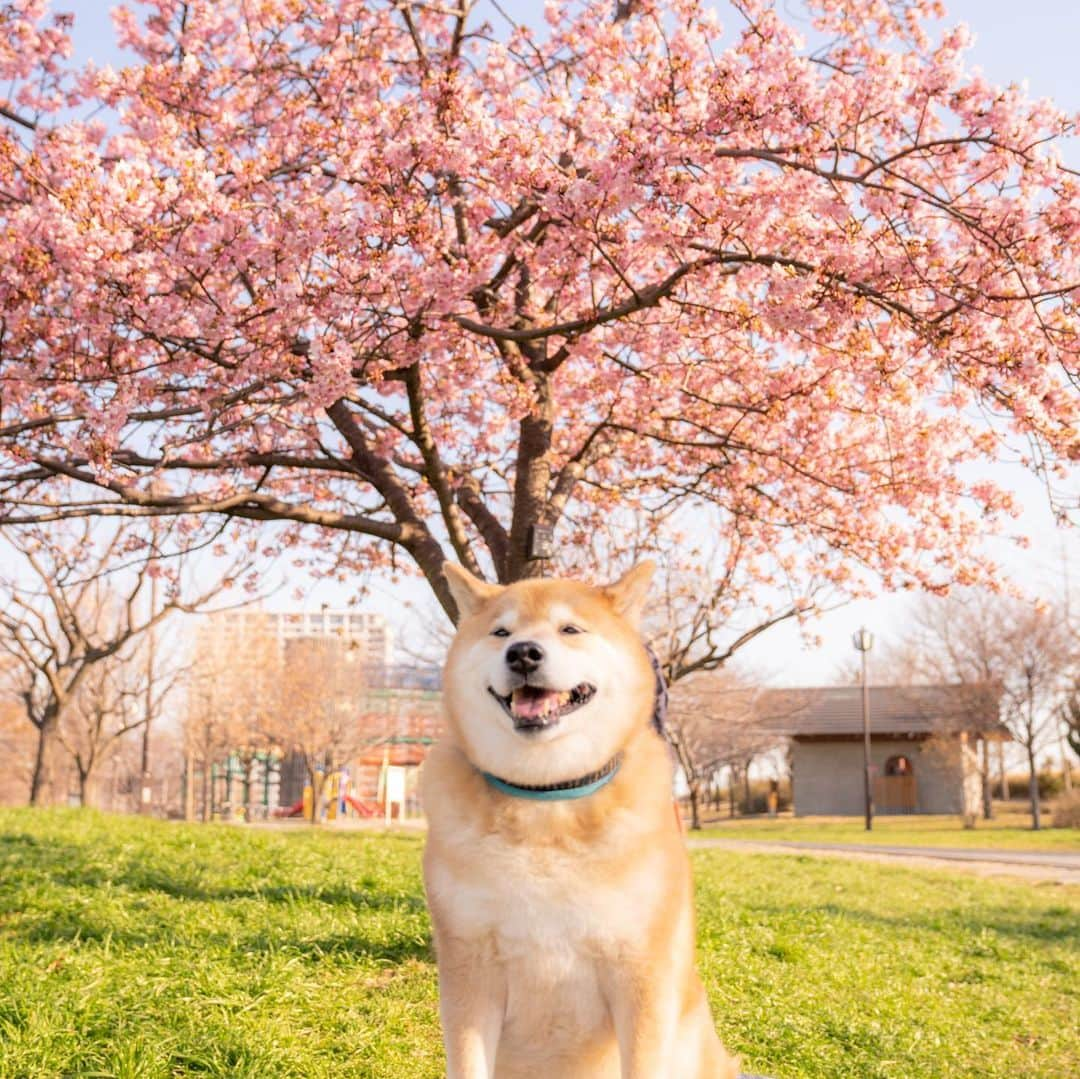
{"x": 1010, "y": 830}
{"x": 136, "y": 948}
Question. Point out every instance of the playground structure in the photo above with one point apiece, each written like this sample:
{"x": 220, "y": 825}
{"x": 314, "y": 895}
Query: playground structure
{"x": 397, "y": 717}
{"x": 244, "y": 786}
{"x": 265, "y": 785}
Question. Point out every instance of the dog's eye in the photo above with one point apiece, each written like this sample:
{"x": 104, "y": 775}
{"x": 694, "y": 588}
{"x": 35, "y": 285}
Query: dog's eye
{"x": 571, "y": 629}
{"x": 502, "y": 631}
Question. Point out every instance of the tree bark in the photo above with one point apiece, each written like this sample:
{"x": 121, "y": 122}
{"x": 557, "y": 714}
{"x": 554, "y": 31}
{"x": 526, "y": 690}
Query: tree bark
{"x": 189, "y": 786}
{"x": 531, "y": 483}
{"x": 1066, "y": 764}
{"x": 987, "y": 783}
{"x": 695, "y": 815}
{"x": 42, "y": 780}
{"x": 1033, "y": 790}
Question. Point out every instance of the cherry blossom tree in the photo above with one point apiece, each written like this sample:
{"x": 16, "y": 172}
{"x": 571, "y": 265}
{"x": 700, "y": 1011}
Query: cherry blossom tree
{"x": 415, "y": 284}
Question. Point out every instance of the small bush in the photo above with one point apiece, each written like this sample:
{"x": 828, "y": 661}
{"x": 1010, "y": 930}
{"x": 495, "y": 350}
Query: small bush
{"x": 1050, "y": 785}
{"x": 1067, "y": 811}
{"x": 759, "y": 797}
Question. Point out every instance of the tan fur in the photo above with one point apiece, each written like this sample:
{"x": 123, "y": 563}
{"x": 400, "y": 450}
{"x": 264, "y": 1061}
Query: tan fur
{"x": 564, "y": 930}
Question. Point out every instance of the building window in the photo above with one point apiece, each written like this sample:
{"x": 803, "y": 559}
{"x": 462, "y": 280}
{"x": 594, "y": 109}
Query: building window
{"x": 899, "y": 766}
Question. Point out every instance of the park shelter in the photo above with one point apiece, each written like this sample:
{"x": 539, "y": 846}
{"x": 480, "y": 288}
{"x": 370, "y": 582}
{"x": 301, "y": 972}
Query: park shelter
{"x": 925, "y": 746}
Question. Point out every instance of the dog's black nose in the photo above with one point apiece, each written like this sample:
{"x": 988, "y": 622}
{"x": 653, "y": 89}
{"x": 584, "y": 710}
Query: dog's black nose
{"x": 524, "y": 657}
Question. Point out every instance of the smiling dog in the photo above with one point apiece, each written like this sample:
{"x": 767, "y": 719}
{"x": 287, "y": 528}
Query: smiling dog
{"x": 557, "y": 879}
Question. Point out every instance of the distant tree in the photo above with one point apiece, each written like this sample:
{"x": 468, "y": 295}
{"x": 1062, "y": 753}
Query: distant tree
{"x": 16, "y": 743}
{"x": 715, "y": 722}
{"x": 118, "y": 697}
{"x": 101, "y": 712}
{"x": 231, "y": 693}
{"x": 1019, "y": 650}
{"x": 1070, "y": 716}
{"x": 316, "y": 709}
{"x": 72, "y": 597}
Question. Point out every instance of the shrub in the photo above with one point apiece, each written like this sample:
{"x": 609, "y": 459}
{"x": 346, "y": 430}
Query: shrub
{"x": 1050, "y": 785}
{"x": 759, "y": 797}
{"x": 1067, "y": 810}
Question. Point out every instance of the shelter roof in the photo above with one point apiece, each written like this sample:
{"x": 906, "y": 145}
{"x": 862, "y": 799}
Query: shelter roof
{"x": 894, "y": 710}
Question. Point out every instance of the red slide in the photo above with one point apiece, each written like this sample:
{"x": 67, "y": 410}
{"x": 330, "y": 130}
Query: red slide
{"x": 365, "y": 809}
{"x": 295, "y": 810}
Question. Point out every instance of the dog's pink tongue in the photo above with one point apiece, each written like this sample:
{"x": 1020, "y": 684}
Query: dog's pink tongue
{"x": 532, "y": 703}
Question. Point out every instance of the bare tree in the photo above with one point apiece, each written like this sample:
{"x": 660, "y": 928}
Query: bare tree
{"x": 714, "y": 722}
{"x": 16, "y": 743}
{"x": 118, "y": 696}
{"x": 1017, "y": 649}
{"x": 316, "y": 711}
{"x": 100, "y": 714}
{"x": 1070, "y": 717}
{"x": 231, "y": 696}
{"x": 76, "y": 596}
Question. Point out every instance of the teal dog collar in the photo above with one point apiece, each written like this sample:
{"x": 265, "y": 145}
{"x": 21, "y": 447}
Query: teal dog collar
{"x": 558, "y": 792}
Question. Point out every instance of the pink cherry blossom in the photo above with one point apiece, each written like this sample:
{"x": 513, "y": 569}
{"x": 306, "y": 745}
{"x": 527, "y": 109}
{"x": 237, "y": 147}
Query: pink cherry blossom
{"x": 412, "y": 284}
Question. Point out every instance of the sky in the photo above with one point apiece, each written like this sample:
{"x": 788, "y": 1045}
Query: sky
{"x": 1033, "y": 41}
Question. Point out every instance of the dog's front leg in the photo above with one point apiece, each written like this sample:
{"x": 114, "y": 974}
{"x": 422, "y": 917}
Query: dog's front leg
{"x": 644, "y": 1011}
{"x": 472, "y": 1004}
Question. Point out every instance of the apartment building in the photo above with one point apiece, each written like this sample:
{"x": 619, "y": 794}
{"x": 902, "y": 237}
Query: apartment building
{"x": 367, "y": 634}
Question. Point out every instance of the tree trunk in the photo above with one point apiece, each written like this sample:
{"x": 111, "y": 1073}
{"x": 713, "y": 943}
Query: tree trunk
{"x": 42, "y": 780}
{"x": 84, "y": 783}
{"x": 733, "y": 778}
{"x": 984, "y": 776}
{"x": 531, "y": 483}
{"x": 1066, "y": 764}
{"x": 695, "y": 815}
{"x": 189, "y": 786}
{"x": 746, "y": 786}
{"x": 1002, "y": 775}
{"x": 1033, "y": 790}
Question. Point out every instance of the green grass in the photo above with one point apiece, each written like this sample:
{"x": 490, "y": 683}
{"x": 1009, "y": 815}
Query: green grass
{"x": 1009, "y": 831}
{"x": 133, "y": 948}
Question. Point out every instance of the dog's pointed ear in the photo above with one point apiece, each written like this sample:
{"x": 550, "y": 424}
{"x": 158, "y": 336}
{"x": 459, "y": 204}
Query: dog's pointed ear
{"x": 469, "y": 592}
{"x": 628, "y": 593}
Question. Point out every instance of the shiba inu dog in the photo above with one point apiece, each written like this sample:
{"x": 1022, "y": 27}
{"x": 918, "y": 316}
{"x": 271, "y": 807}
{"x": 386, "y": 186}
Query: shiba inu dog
{"x": 556, "y": 875}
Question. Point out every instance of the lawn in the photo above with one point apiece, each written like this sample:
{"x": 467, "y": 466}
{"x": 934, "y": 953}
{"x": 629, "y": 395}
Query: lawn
{"x": 133, "y": 948}
{"x": 1010, "y": 830}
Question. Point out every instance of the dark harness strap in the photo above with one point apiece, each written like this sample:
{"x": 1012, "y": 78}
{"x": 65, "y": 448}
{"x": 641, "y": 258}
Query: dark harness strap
{"x": 660, "y": 701}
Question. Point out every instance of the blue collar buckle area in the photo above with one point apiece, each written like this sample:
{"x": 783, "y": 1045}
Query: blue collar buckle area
{"x": 559, "y": 792}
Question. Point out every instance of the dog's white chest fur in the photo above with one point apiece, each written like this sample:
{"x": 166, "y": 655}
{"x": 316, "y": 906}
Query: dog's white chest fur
{"x": 554, "y": 926}
{"x": 545, "y": 906}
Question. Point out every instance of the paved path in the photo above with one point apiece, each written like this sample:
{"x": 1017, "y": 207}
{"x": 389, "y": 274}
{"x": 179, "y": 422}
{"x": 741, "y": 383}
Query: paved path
{"x": 1060, "y": 866}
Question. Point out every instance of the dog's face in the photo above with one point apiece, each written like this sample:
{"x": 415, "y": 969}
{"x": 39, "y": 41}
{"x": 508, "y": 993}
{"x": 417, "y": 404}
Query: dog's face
{"x": 547, "y": 679}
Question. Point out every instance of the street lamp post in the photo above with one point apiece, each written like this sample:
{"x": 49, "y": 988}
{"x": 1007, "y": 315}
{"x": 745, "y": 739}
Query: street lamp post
{"x": 864, "y": 641}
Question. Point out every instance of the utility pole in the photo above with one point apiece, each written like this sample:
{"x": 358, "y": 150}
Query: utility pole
{"x": 864, "y": 641}
{"x": 145, "y": 790}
